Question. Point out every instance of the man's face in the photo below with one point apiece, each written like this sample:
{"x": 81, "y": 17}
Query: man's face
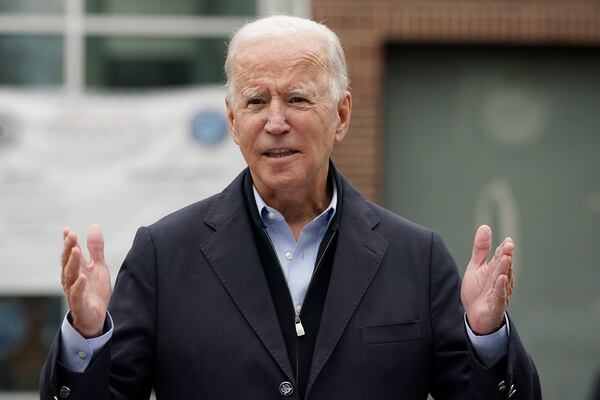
{"x": 283, "y": 116}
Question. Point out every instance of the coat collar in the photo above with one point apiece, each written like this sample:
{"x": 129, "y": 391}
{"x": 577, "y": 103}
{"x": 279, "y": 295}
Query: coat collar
{"x": 236, "y": 262}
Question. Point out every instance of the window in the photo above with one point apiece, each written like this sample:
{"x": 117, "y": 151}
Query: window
{"x": 32, "y": 6}
{"x": 98, "y": 44}
{"x": 178, "y": 7}
{"x": 31, "y": 60}
{"x": 120, "y": 62}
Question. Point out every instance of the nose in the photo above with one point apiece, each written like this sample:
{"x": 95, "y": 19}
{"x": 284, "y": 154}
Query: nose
{"x": 277, "y": 123}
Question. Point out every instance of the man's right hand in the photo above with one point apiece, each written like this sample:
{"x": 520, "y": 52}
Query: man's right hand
{"x": 86, "y": 284}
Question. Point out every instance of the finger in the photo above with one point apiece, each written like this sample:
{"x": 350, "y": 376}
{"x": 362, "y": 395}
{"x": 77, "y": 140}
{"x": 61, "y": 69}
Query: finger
{"x": 481, "y": 245}
{"x": 71, "y": 270}
{"x": 505, "y": 248}
{"x": 95, "y": 243}
{"x": 508, "y": 246}
{"x": 501, "y": 293}
{"x": 69, "y": 242}
{"x": 501, "y": 263}
{"x": 495, "y": 258}
{"x": 76, "y": 297}
{"x": 510, "y": 269}
{"x": 501, "y": 267}
{"x": 511, "y": 281}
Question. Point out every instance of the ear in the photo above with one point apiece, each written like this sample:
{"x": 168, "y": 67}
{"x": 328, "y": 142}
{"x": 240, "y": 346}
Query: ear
{"x": 344, "y": 112}
{"x": 231, "y": 122}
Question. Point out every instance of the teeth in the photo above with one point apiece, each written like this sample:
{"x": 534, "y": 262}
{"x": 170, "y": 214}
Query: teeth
{"x": 280, "y": 153}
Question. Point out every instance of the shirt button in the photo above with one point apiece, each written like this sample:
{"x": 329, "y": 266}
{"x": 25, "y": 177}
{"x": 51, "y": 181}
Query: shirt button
{"x": 288, "y": 255}
{"x": 64, "y": 392}
{"x": 286, "y": 388}
{"x": 271, "y": 215}
{"x": 82, "y": 354}
{"x": 298, "y": 309}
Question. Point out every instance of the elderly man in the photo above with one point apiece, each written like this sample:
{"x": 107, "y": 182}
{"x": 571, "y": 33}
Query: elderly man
{"x": 288, "y": 283}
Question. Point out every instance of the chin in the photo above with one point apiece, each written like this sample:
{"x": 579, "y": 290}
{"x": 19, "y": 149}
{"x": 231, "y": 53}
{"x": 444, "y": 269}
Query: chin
{"x": 283, "y": 184}
{"x": 283, "y": 181}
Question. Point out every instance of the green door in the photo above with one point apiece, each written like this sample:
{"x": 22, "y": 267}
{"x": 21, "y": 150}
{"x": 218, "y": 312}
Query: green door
{"x": 509, "y": 137}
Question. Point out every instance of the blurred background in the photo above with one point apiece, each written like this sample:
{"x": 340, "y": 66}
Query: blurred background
{"x": 465, "y": 112}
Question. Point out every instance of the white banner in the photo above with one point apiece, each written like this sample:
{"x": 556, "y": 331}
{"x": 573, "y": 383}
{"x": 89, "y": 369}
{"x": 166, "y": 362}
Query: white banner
{"x": 119, "y": 160}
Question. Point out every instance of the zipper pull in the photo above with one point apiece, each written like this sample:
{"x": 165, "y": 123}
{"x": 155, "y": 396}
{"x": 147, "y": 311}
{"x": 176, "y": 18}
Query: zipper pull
{"x": 299, "y": 327}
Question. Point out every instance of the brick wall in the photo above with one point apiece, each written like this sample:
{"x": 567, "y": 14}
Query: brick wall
{"x": 364, "y": 28}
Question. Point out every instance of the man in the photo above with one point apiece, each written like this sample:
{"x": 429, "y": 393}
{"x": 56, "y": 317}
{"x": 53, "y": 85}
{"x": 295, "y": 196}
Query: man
{"x": 288, "y": 283}
{"x": 596, "y": 388}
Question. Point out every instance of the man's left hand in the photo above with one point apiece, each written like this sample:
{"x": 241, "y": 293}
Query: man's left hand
{"x": 487, "y": 286}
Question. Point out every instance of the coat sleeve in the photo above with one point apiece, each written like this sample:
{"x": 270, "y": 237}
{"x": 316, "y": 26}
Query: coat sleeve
{"x": 124, "y": 368}
{"x": 457, "y": 371}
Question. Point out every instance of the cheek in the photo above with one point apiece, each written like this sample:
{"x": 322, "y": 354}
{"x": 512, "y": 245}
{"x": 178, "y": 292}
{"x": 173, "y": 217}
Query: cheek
{"x": 252, "y": 125}
{"x": 246, "y": 131}
{"x": 325, "y": 132}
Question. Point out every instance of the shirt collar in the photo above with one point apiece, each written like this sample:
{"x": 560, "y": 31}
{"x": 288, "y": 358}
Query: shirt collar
{"x": 264, "y": 209}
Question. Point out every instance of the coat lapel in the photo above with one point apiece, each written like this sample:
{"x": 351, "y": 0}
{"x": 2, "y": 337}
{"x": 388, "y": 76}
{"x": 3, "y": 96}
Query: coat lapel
{"x": 358, "y": 256}
{"x": 232, "y": 253}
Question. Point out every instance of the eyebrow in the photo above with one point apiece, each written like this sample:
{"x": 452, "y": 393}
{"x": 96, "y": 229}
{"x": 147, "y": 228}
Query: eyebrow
{"x": 252, "y": 92}
{"x": 302, "y": 91}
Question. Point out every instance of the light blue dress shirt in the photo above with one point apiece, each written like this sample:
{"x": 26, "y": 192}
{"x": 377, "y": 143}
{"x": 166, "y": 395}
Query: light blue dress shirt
{"x": 297, "y": 260}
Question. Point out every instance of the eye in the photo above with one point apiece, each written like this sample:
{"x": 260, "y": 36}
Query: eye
{"x": 255, "y": 102}
{"x": 298, "y": 99}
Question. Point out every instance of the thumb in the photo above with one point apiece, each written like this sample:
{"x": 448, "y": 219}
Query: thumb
{"x": 95, "y": 243}
{"x": 481, "y": 245}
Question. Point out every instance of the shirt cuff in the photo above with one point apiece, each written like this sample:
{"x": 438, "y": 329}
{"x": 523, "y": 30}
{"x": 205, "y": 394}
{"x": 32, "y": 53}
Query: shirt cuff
{"x": 76, "y": 352}
{"x": 490, "y": 348}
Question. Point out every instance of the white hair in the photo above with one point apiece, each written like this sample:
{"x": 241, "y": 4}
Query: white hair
{"x": 282, "y": 26}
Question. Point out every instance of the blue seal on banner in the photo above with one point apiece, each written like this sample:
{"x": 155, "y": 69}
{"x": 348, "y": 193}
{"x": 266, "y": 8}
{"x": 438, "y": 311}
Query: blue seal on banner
{"x": 13, "y": 326}
{"x": 209, "y": 127}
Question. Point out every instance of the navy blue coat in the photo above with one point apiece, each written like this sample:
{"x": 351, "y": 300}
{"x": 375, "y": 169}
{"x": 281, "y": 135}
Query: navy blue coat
{"x": 194, "y": 318}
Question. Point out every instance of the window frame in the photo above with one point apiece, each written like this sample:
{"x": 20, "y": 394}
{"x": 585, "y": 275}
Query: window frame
{"x": 74, "y": 26}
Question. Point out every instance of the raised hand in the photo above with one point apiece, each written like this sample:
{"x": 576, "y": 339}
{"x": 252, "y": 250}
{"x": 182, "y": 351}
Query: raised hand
{"x": 86, "y": 283}
{"x": 487, "y": 286}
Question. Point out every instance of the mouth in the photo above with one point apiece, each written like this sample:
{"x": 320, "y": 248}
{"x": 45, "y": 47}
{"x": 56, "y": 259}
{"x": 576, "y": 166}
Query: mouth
{"x": 280, "y": 153}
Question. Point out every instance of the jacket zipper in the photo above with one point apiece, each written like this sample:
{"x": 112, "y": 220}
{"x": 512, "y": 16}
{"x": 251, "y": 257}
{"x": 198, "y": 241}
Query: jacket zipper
{"x": 310, "y": 284}
{"x": 298, "y": 312}
{"x": 297, "y": 321}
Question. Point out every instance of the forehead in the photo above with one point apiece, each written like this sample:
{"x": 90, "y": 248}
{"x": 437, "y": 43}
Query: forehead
{"x": 285, "y": 61}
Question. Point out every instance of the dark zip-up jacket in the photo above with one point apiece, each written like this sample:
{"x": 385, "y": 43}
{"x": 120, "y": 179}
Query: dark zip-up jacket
{"x": 196, "y": 317}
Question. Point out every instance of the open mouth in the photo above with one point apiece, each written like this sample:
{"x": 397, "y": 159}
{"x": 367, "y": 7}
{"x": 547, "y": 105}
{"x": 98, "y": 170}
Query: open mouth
{"x": 280, "y": 153}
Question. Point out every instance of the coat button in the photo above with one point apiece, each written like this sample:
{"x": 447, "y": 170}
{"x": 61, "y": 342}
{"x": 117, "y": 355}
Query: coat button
{"x": 286, "y": 388}
{"x": 64, "y": 392}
